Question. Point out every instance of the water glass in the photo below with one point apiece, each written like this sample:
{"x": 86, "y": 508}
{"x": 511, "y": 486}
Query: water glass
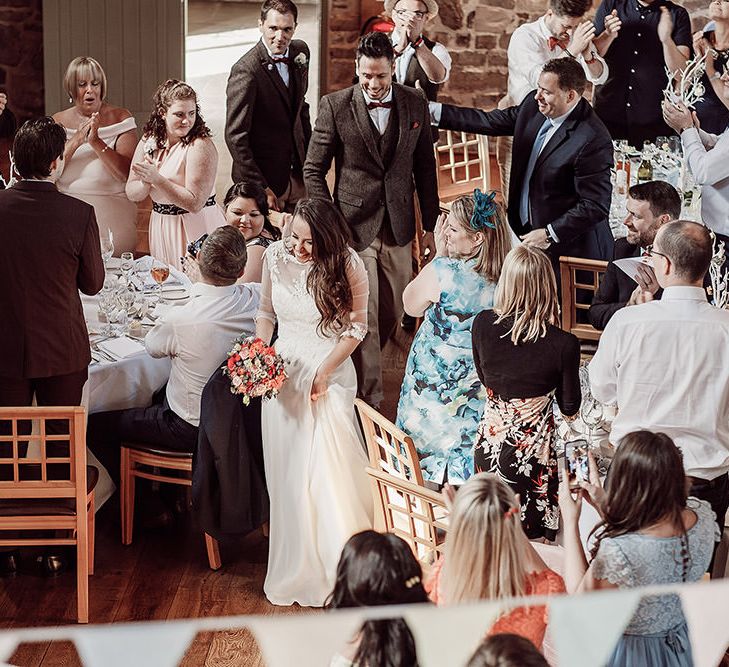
{"x": 127, "y": 265}
{"x": 107, "y": 248}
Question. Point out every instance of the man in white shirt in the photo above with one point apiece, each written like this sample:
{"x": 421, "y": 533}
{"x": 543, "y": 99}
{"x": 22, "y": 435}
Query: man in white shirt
{"x": 562, "y": 32}
{"x": 196, "y": 337}
{"x": 707, "y": 156}
{"x": 666, "y": 363}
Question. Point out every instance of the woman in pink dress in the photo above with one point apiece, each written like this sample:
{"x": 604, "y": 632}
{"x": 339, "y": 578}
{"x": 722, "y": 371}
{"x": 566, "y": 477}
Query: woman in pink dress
{"x": 175, "y": 163}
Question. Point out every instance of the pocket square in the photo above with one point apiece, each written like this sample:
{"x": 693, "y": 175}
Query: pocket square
{"x": 415, "y": 126}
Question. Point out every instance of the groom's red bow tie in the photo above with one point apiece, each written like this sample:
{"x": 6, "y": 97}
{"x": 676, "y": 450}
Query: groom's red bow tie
{"x": 281, "y": 59}
{"x": 553, "y": 41}
{"x": 379, "y": 105}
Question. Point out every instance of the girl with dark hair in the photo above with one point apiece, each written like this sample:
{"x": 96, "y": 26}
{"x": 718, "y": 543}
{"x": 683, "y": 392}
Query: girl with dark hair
{"x": 314, "y": 286}
{"x": 175, "y": 163}
{"x": 246, "y": 208}
{"x": 378, "y": 569}
{"x": 650, "y": 534}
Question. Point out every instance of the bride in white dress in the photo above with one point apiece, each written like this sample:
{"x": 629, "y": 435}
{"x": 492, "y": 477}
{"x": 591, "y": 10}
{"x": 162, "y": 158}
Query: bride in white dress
{"x": 315, "y": 287}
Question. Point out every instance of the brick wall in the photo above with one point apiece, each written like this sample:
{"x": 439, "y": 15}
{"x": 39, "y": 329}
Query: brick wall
{"x": 21, "y": 56}
{"x": 476, "y": 32}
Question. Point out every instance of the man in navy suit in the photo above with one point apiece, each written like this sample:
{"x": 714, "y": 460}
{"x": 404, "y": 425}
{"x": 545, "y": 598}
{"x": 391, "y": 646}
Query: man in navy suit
{"x": 559, "y": 188}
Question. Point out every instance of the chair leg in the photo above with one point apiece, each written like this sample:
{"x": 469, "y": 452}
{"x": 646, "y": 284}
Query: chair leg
{"x": 82, "y": 572}
{"x": 213, "y": 552}
{"x": 127, "y": 496}
{"x": 91, "y": 522}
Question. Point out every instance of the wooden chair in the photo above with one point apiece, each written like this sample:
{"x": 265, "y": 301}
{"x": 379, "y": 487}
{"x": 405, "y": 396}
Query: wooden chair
{"x": 462, "y": 162}
{"x": 155, "y": 464}
{"x": 414, "y": 513}
{"x": 390, "y": 449}
{"x": 49, "y": 492}
{"x": 575, "y": 293}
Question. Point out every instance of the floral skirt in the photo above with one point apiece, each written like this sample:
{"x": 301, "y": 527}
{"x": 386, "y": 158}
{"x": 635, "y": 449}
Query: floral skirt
{"x": 515, "y": 440}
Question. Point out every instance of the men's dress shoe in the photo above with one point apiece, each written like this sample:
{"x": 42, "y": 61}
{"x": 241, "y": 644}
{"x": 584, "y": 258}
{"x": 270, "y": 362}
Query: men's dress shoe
{"x": 9, "y": 562}
{"x": 53, "y": 564}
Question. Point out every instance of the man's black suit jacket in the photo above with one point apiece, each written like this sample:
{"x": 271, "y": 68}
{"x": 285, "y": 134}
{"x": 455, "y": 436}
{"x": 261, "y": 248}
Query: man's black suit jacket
{"x": 267, "y": 126}
{"x": 615, "y": 288}
{"x": 570, "y": 186}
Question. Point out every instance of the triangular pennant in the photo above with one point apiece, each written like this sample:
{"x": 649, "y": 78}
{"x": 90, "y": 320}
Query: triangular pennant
{"x": 706, "y": 608}
{"x": 586, "y": 628}
{"x": 139, "y": 644}
{"x": 305, "y": 640}
{"x": 464, "y": 627}
{"x": 8, "y": 644}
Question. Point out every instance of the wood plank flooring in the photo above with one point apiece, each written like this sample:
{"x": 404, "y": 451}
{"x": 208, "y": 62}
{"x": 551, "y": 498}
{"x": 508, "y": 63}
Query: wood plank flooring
{"x": 162, "y": 575}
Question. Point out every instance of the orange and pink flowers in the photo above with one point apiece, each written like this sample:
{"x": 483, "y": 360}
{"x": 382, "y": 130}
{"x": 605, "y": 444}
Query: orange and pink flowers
{"x": 254, "y": 369}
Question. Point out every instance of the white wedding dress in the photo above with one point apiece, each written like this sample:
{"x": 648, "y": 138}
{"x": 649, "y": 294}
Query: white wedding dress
{"x": 313, "y": 455}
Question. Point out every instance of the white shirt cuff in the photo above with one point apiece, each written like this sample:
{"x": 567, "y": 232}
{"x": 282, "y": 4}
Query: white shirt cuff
{"x": 552, "y": 234}
{"x": 436, "y": 110}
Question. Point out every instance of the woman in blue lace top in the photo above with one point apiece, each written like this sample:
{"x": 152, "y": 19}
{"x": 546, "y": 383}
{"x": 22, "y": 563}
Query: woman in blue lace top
{"x": 442, "y": 399}
{"x": 651, "y": 534}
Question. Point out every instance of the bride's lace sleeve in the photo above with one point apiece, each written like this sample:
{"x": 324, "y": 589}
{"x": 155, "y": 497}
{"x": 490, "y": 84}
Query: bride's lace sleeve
{"x": 265, "y": 306}
{"x": 359, "y": 285}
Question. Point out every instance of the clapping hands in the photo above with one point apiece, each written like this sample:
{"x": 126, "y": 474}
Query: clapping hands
{"x": 147, "y": 172}
{"x": 441, "y": 242}
{"x": 581, "y": 38}
{"x": 678, "y": 116}
{"x": 613, "y": 24}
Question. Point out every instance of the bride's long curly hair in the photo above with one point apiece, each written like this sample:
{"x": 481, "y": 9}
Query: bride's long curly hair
{"x": 330, "y": 255}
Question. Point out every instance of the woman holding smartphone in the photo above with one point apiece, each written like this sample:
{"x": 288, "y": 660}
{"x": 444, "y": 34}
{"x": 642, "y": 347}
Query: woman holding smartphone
{"x": 651, "y": 533}
{"x": 526, "y": 362}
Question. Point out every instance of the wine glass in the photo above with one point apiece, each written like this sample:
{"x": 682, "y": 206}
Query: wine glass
{"x": 127, "y": 265}
{"x": 107, "y": 305}
{"x": 160, "y": 272}
{"x": 107, "y": 248}
{"x": 591, "y": 413}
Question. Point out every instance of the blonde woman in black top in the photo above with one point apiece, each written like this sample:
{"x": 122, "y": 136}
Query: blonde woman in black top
{"x": 525, "y": 362}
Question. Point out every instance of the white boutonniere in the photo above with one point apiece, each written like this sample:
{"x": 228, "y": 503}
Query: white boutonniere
{"x": 150, "y": 146}
{"x": 301, "y": 60}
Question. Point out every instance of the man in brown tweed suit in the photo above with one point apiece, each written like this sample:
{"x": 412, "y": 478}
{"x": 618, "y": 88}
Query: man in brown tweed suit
{"x": 267, "y": 125}
{"x": 378, "y": 134}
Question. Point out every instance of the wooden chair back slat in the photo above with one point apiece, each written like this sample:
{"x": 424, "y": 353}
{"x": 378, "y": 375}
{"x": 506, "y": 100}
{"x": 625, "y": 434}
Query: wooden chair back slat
{"x": 389, "y": 448}
{"x": 578, "y": 292}
{"x": 462, "y": 161}
{"x": 414, "y": 513}
{"x": 67, "y": 481}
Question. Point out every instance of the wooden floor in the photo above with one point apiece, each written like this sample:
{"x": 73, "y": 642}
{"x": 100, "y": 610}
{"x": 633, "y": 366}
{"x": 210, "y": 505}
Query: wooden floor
{"x": 162, "y": 575}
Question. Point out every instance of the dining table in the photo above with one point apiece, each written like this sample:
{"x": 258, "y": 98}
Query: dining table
{"x": 122, "y": 374}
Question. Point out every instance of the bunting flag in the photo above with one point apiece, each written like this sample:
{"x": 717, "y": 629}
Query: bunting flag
{"x": 706, "y": 607}
{"x": 152, "y": 644}
{"x": 453, "y": 643}
{"x": 585, "y": 628}
{"x": 305, "y": 640}
{"x": 8, "y": 644}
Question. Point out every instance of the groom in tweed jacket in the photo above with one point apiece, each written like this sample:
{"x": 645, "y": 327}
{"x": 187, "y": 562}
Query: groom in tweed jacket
{"x": 378, "y": 134}
{"x": 267, "y": 125}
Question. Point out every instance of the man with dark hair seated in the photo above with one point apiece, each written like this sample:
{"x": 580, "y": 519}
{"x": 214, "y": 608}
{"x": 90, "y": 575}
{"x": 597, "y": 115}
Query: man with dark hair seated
{"x": 666, "y": 363}
{"x": 649, "y": 206}
{"x": 197, "y": 338}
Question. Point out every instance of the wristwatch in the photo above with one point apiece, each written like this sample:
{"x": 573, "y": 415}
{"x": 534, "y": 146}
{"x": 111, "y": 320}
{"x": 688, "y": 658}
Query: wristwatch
{"x": 418, "y": 42}
{"x": 592, "y": 58}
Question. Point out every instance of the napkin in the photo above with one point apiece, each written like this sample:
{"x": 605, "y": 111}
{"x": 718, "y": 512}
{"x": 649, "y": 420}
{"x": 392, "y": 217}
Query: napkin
{"x": 122, "y": 347}
{"x": 628, "y": 265}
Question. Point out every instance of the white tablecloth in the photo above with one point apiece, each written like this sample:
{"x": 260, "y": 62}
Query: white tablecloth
{"x": 128, "y": 383}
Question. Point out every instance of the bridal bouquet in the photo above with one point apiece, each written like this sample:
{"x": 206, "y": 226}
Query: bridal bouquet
{"x": 254, "y": 369}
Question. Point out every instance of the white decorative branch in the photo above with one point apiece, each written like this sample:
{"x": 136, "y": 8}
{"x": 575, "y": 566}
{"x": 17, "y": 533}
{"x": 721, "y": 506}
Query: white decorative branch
{"x": 685, "y": 85}
{"x": 718, "y": 275}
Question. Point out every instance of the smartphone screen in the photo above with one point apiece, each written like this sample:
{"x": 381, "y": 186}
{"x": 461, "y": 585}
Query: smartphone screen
{"x": 576, "y": 462}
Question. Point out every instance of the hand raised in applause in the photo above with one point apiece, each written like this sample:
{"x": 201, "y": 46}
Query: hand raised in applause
{"x": 581, "y": 38}
{"x": 441, "y": 243}
{"x": 677, "y": 116}
{"x": 613, "y": 24}
{"x": 147, "y": 172}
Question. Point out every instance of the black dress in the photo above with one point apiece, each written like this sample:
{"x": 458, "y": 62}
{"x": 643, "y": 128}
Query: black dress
{"x": 516, "y": 435}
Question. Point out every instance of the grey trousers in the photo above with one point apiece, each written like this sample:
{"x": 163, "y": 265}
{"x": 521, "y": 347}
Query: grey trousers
{"x": 389, "y": 270}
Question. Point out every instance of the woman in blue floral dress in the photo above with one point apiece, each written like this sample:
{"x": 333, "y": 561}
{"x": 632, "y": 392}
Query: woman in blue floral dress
{"x": 442, "y": 399}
